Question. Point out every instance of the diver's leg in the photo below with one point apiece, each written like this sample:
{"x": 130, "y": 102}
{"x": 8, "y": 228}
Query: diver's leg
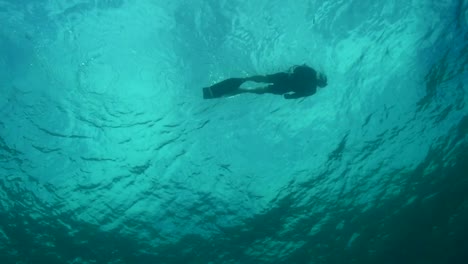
{"x": 258, "y": 78}
{"x": 226, "y": 87}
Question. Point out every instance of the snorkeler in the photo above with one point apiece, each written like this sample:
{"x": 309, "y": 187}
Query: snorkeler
{"x": 300, "y": 81}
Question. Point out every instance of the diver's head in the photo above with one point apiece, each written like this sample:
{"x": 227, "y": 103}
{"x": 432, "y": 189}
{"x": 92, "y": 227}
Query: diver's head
{"x": 321, "y": 80}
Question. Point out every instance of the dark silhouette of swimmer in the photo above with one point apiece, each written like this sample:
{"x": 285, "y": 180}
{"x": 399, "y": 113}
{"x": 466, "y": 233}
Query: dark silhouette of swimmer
{"x": 300, "y": 81}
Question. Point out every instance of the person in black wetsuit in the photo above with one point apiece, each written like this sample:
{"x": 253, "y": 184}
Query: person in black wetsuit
{"x": 300, "y": 81}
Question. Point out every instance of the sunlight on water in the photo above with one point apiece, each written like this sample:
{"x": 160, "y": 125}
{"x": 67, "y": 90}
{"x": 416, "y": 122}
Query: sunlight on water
{"x": 109, "y": 154}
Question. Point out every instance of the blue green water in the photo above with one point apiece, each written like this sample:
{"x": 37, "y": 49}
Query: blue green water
{"x": 109, "y": 154}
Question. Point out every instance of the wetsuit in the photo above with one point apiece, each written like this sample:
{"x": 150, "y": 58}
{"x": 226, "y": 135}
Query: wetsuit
{"x": 301, "y": 81}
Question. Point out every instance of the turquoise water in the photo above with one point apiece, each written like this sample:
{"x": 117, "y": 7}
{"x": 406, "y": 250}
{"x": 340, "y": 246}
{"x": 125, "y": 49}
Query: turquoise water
{"x": 109, "y": 154}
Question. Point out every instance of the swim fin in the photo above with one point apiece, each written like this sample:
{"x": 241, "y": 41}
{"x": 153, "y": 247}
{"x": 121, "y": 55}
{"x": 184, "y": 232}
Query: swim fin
{"x": 226, "y": 87}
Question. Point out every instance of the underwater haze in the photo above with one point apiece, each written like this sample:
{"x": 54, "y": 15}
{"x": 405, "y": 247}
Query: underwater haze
{"x": 109, "y": 154}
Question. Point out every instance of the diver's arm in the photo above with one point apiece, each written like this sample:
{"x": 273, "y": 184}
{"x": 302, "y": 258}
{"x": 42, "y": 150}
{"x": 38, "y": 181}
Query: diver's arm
{"x": 257, "y": 90}
{"x": 297, "y": 95}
